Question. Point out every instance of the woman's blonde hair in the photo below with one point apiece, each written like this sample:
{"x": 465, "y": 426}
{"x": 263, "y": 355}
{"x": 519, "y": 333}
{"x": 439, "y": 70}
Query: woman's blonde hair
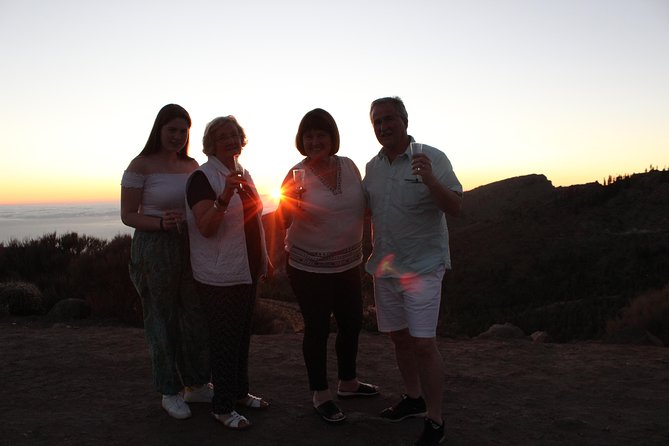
{"x": 209, "y": 140}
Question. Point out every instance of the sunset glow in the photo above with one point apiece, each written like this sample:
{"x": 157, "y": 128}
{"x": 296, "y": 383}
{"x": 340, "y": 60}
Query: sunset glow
{"x": 572, "y": 90}
{"x": 276, "y": 195}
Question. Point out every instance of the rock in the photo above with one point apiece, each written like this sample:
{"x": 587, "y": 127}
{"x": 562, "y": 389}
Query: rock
{"x": 68, "y": 309}
{"x": 503, "y": 331}
{"x": 540, "y": 337}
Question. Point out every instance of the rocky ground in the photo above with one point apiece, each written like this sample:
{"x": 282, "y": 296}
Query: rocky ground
{"x": 90, "y": 383}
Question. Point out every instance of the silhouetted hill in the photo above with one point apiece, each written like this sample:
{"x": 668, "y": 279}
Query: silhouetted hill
{"x": 558, "y": 259}
{"x": 563, "y": 260}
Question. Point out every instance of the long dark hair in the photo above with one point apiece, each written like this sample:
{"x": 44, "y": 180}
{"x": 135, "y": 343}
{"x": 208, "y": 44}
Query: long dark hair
{"x": 165, "y": 115}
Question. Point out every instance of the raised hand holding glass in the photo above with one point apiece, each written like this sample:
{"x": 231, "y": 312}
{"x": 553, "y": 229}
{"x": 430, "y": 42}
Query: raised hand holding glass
{"x": 298, "y": 181}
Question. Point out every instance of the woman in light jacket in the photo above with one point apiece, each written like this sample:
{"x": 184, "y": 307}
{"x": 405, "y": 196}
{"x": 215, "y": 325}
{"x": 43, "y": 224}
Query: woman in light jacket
{"x": 228, "y": 257}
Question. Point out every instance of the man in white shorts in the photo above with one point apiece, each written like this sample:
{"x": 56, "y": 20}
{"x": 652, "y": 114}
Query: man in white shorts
{"x": 408, "y": 196}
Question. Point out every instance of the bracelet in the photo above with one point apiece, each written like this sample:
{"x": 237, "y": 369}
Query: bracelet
{"x": 162, "y": 228}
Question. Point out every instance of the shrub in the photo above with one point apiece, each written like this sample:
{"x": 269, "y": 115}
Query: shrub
{"x": 45, "y": 262}
{"x": 20, "y": 299}
{"x": 102, "y": 278}
{"x": 648, "y": 311}
{"x": 70, "y": 266}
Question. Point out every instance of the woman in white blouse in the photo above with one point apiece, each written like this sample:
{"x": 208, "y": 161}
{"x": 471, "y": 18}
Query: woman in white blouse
{"x": 152, "y": 201}
{"x": 324, "y": 216}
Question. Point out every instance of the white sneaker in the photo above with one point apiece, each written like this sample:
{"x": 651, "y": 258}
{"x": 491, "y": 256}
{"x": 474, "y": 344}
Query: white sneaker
{"x": 202, "y": 394}
{"x": 176, "y": 407}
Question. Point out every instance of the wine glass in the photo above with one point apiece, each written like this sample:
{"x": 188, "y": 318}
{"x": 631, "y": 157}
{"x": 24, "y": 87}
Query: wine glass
{"x": 239, "y": 170}
{"x": 176, "y": 216}
{"x": 416, "y": 148}
{"x": 298, "y": 181}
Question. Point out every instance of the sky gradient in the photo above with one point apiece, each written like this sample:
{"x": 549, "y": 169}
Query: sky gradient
{"x": 574, "y": 89}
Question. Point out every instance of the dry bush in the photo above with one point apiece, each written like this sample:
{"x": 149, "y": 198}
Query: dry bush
{"x": 648, "y": 311}
{"x": 20, "y": 299}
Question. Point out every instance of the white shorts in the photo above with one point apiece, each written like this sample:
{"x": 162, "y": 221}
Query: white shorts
{"x": 409, "y": 302}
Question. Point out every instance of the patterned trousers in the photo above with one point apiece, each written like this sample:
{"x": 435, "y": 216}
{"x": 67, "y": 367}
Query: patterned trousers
{"x": 229, "y": 312}
{"x": 174, "y": 324}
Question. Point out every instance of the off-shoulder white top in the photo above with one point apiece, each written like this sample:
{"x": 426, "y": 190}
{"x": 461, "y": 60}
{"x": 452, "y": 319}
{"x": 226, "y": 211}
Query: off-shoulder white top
{"x": 160, "y": 191}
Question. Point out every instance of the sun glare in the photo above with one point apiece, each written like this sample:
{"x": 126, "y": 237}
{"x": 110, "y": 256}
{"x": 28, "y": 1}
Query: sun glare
{"x": 276, "y": 195}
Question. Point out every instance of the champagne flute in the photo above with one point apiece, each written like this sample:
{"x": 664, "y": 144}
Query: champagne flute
{"x": 239, "y": 170}
{"x": 416, "y": 148}
{"x": 176, "y": 216}
{"x": 298, "y": 181}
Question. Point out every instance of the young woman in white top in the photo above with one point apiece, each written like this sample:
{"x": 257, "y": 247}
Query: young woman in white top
{"x": 153, "y": 188}
{"x": 324, "y": 217}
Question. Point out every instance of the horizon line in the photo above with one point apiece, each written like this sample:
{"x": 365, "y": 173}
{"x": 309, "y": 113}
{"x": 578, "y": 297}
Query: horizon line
{"x": 268, "y": 196}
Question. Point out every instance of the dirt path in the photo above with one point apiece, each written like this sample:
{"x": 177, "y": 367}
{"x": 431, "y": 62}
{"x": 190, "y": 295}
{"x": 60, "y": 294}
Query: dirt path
{"x": 92, "y": 385}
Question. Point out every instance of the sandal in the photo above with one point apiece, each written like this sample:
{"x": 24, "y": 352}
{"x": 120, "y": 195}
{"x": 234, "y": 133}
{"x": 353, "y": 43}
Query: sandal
{"x": 363, "y": 390}
{"x": 253, "y": 402}
{"x": 330, "y": 413}
{"x": 233, "y": 420}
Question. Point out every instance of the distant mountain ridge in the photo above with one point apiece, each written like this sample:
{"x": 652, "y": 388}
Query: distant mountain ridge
{"x": 560, "y": 259}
